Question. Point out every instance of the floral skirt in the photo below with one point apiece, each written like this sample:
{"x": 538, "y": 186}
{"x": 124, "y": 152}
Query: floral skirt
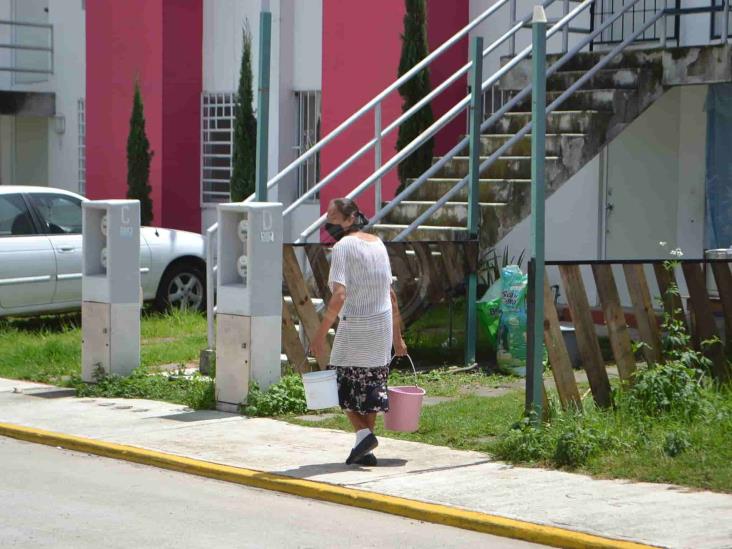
{"x": 362, "y": 390}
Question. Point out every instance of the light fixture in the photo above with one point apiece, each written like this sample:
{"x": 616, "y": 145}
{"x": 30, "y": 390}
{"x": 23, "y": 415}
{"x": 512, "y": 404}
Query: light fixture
{"x": 59, "y": 124}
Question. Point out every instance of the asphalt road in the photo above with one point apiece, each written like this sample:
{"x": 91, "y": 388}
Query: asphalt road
{"x": 55, "y": 498}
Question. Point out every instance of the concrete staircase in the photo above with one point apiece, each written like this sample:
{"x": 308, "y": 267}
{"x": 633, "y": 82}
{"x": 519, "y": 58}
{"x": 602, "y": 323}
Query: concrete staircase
{"x": 587, "y": 121}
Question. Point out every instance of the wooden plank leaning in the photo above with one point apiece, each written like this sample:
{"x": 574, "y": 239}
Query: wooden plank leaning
{"x": 615, "y": 321}
{"x": 724, "y": 285}
{"x": 309, "y": 318}
{"x": 645, "y": 316}
{"x": 561, "y": 365}
{"x": 291, "y": 342}
{"x": 704, "y": 319}
{"x": 589, "y": 347}
{"x": 671, "y": 299}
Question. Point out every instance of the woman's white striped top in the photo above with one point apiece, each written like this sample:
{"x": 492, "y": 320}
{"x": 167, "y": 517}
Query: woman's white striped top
{"x": 364, "y": 335}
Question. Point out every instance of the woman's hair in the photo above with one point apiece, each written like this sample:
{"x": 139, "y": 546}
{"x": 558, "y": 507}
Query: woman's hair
{"x": 348, "y": 208}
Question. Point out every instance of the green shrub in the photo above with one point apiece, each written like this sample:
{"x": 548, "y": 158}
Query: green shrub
{"x": 576, "y": 446}
{"x": 523, "y": 443}
{"x": 196, "y": 392}
{"x": 287, "y": 396}
{"x": 670, "y": 388}
{"x": 676, "y": 443}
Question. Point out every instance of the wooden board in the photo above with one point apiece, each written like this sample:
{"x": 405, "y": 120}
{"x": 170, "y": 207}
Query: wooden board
{"x": 671, "y": 300}
{"x": 451, "y": 264}
{"x": 429, "y": 274}
{"x": 321, "y": 268}
{"x": 615, "y": 321}
{"x": 309, "y": 319}
{"x": 724, "y": 284}
{"x": 559, "y": 360}
{"x": 645, "y": 316}
{"x": 291, "y": 342}
{"x": 589, "y": 347}
{"x": 704, "y": 318}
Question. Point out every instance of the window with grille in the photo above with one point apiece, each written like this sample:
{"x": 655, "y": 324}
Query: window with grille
{"x": 632, "y": 20}
{"x": 308, "y": 133}
{"x": 218, "y": 110}
{"x": 81, "y": 115}
{"x": 717, "y": 19}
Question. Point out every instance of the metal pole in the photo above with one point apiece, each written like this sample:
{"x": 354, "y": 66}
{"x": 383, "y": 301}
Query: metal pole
{"x": 512, "y": 40}
{"x": 534, "y": 378}
{"x": 476, "y": 118}
{"x": 565, "y": 31}
{"x": 265, "y": 43}
{"x": 377, "y": 154}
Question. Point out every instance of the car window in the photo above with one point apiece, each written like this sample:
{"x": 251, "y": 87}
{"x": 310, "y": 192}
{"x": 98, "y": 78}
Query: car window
{"x": 15, "y": 218}
{"x": 61, "y": 214}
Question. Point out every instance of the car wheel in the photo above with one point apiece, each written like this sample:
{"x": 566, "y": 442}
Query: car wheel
{"x": 183, "y": 287}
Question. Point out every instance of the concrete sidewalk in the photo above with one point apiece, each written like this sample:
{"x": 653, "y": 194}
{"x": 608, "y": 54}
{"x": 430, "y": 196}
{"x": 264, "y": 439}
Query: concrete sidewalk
{"x": 654, "y": 514}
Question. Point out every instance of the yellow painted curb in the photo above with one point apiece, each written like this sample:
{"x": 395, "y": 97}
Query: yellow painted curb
{"x": 429, "y": 512}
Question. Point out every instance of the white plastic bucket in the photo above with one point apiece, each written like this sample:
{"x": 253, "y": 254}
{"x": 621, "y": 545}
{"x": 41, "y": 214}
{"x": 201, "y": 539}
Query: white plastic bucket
{"x": 321, "y": 389}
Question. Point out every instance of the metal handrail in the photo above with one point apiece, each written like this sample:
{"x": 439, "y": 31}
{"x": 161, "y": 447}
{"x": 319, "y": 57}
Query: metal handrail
{"x": 523, "y": 94}
{"x": 383, "y": 94}
{"x": 443, "y": 121}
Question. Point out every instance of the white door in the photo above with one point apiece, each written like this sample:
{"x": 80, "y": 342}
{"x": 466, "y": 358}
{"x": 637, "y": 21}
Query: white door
{"x": 27, "y": 260}
{"x": 60, "y": 217}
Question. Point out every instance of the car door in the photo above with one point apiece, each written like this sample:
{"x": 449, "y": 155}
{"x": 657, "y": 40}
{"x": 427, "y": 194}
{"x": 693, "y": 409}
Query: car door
{"x": 27, "y": 259}
{"x": 60, "y": 217}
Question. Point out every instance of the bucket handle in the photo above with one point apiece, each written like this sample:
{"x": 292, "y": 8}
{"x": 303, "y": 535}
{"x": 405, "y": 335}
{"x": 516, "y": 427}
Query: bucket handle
{"x": 413, "y": 368}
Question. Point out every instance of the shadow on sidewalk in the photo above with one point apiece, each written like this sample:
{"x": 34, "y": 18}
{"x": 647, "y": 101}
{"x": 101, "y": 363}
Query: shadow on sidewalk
{"x": 305, "y": 471}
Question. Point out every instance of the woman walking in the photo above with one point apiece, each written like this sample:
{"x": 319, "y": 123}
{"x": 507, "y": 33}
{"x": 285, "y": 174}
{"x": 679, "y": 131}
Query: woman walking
{"x": 369, "y": 324}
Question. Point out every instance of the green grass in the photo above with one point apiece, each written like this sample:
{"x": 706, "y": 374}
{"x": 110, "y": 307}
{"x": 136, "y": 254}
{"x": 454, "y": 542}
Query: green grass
{"x": 48, "y": 350}
{"x": 603, "y": 443}
{"x": 441, "y": 382}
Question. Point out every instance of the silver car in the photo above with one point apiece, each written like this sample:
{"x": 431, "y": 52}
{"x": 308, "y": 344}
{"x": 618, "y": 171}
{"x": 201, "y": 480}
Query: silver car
{"x": 40, "y": 256}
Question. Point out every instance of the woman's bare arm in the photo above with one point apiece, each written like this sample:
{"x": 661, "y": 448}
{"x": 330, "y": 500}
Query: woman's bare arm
{"x": 400, "y": 347}
{"x": 335, "y": 304}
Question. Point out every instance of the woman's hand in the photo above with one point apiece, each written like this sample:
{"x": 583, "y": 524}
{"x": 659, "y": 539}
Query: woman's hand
{"x": 317, "y": 346}
{"x": 400, "y": 348}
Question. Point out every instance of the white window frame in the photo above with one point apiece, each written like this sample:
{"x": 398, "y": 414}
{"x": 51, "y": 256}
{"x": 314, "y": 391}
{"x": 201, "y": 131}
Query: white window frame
{"x": 218, "y": 110}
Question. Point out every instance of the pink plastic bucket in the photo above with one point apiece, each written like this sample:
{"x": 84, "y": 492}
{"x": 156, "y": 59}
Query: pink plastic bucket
{"x": 405, "y": 407}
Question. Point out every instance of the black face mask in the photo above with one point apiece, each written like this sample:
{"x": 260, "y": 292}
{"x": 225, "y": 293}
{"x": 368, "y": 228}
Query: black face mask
{"x": 335, "y": 231}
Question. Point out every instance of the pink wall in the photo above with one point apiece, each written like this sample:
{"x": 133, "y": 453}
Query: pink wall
{"x": 361, "y": 45}
{"x": 444, "y": 19}
{"x": 361, "y": 50}
{"x": 158, "y": 42}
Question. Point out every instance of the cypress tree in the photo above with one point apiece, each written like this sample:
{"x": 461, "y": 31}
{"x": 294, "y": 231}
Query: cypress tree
{"x": 139, "y": 157}
{"x": 245, "y": 127}
{"x": 414, "y": 49}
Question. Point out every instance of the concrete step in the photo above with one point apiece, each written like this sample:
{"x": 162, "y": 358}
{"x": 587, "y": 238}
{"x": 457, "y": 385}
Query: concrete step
{"x": 425, "y": 232}
{"x": 505, "y": 167}
{"x": 629, "y": 59}
{"x": 605, "y": 100}
{"x": 556, "y": 144}
{"x": 573, "y": 122}
{"x": 490, "y": 190}
{"x": 452, "y": 214}
{"x": 619, "y": 78}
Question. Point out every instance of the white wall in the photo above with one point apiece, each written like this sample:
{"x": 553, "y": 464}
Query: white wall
{"x": 572, "y": 221}
{"x": 296, "y": 64}
{"x": 68, "y": 82}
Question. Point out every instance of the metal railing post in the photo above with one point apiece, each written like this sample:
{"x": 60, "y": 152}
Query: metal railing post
{"x": 725, "y": 22}
{"x": 535, "y": 340}
{"x": 565, "y": 31}
{"x": 377, "y": 155}
{"x": 512, "y": 40}
{"x": 663, "y": 28}
{"x": 265, "y": 44}
{"x": 476, "y": 118}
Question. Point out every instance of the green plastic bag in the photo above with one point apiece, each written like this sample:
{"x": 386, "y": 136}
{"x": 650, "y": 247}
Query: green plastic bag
{"x": 511, "y": 353}
{"x": 489, "y": 313}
